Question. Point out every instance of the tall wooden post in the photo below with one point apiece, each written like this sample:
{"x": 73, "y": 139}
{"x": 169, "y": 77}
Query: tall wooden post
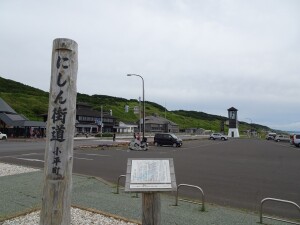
{"x": 151, "y": 208}
{"x": 56, "y": 202}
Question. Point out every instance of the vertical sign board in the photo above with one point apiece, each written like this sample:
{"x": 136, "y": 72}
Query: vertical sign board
{"x": 56, "y": 202}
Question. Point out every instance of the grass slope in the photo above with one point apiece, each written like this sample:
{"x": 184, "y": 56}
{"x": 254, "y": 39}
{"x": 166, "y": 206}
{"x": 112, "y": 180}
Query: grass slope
{"x": 32, "y": 102}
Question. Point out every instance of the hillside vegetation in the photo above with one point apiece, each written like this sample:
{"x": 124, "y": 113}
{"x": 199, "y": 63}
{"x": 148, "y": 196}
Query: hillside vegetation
{"x": 32, "y": 102}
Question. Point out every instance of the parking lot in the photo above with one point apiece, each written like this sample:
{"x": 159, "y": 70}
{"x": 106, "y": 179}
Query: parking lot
{"x": 237, "y": 173}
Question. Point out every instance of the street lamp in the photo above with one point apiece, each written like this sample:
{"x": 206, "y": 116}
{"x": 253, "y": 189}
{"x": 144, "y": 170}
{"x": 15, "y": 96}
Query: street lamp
{"x": 143, "y": 102}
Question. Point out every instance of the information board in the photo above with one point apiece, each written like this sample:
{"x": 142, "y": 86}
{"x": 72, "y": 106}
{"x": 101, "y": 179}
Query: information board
{"x": 145, "y": 175}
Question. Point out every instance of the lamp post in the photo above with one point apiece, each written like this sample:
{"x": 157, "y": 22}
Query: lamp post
{"x": 143, "y": 101}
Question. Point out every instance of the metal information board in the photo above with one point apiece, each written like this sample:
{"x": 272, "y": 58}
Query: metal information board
{"x": 146, "y": 175}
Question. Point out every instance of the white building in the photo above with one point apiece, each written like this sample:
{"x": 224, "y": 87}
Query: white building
{"x": 126, "y": 127}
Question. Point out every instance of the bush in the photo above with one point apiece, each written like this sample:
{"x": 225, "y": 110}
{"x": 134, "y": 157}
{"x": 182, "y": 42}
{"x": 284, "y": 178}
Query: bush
{"x": 104, "y": 135}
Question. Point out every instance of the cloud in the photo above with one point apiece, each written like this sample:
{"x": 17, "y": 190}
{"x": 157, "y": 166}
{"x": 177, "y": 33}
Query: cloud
{"x": 201, "y": 55}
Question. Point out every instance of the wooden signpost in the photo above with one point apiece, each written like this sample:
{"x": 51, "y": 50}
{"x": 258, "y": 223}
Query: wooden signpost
{"x": 56, "y": 202}
{"x": 150, "y": 177}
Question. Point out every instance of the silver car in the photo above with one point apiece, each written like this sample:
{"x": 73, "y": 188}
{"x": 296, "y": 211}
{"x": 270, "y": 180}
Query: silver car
{"x": 279, "y": 138}
{"x": 218, "y": 136}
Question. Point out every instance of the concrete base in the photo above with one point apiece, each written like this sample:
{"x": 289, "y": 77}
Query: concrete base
{"x": 233, "y": 132}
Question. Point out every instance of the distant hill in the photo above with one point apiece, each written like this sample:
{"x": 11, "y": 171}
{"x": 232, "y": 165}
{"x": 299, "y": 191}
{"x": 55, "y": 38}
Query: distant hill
{"x": 32, "y": 102}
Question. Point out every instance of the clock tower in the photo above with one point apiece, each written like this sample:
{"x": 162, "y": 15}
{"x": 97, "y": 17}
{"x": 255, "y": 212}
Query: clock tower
{"x": 233, "y": 130}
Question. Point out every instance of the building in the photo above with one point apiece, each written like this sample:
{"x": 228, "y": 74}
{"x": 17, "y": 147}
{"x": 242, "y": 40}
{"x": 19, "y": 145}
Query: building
{"x": 88, "y": 120}
{"x": 154, "y": 124}
{"x": 159, "y": 124}
{"x": 16, "y": 125}
{"x": 233, "y": 130}
{"x": 126, "y": 127}
{"x": 198, "y": 131}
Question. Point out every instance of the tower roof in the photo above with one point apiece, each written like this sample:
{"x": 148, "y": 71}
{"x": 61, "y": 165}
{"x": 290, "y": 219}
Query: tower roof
{"x": 232, "y": 109}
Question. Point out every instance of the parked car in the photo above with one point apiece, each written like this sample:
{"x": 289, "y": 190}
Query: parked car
{"x": 280, "y": 137}
{"x": 3, "y": 136}
{"x": 271, "y": 136}
{"x": 297, "y": 140}
{"x": 218, "y": 136}
{"x": 167, "y": 139}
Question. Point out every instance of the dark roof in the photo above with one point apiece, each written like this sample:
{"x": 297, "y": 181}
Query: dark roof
{"x": 17, "y": 120}
{"x": 232, "y": 109}
{"x": 12, "y": 119}
{"x": 91, "y": 112}
{"x": 87, "y": 112}
{"x": 83, "y": 105}
{"x": 4, "y": 107}
{"x": 29, "y": 123}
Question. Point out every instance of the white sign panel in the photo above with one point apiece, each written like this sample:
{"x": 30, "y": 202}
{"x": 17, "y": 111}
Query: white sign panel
{"x": 150, "y": 174}
{"x": 136, "y": 110}
{"x": 150, "y": 171}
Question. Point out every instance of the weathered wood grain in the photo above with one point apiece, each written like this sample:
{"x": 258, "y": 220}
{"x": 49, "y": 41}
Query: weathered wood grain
{"x": 56, "y": 200}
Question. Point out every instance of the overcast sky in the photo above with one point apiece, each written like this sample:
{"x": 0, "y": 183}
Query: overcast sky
{"x": 197, "y": 55}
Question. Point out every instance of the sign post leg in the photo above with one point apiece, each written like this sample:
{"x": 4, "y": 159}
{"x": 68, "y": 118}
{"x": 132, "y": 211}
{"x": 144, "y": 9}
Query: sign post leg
{"x": 151, "y": 208}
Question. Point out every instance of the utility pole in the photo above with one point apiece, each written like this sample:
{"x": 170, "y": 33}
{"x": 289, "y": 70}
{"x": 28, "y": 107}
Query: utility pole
{"x": 143, "y": 85}
{"x": 165, "y": 110}
{"x": 101, "y": 120}
{"x": 140, "y": 112}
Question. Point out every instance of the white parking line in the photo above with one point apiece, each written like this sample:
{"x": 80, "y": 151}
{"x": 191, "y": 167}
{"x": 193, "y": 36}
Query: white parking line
{"x": 99, "y": 155}
{"x": 30, "y": 154}
{"x": 93, "y": 154}
{"x": 16, "y": 156}
{"x": 33, "y": 160}
{"x": 83, "y": 158}
{"x": 38, "y": 160}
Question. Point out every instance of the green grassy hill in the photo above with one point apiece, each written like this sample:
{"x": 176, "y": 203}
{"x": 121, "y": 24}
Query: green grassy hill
{"x": 32, "y": 102}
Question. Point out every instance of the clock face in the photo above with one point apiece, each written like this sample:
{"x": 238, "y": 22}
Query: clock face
{"x": 232, "y": 115}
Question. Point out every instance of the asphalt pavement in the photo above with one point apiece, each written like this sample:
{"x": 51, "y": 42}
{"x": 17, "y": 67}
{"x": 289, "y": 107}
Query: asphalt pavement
{"x": 21, "y": 193}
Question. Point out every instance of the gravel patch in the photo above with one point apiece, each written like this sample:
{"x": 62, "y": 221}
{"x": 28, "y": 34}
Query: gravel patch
{"x": 78, "y": 217}
{"x": 7, "y": 169}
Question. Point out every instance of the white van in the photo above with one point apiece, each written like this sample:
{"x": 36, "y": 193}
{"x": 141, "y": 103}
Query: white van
{"x": 297, "y": 140}
{"x": 271, "y": 136}
{"x": 3, "y": 136}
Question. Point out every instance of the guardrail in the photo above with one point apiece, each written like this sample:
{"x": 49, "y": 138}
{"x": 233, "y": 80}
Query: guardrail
{"x": 191, "y": 186}
{"x": 118, "y": 185}
{"x": 274, "y": 218}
